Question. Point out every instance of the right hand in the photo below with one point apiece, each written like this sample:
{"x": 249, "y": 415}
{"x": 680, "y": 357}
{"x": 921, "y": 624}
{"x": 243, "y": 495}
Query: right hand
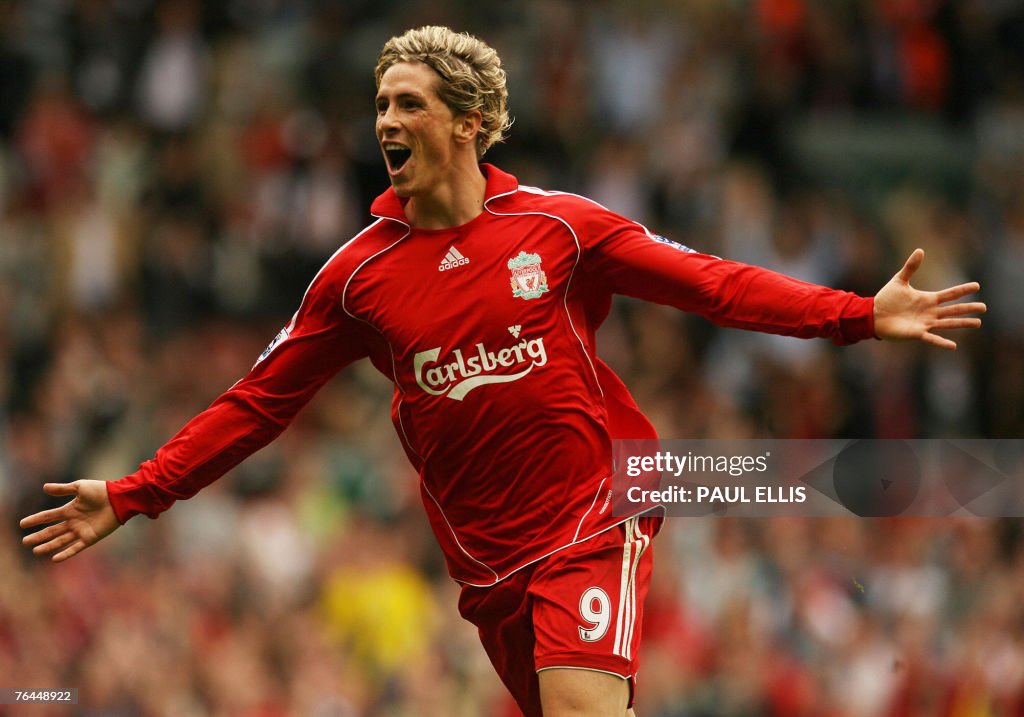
{"x": 79, "y": 523}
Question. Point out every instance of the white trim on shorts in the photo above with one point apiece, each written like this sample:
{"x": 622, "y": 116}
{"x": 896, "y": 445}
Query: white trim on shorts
{"x": 588, "y": 669}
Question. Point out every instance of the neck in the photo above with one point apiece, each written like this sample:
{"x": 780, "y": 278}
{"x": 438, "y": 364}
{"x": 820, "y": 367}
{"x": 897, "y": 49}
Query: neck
{"x": 458, "y": 200}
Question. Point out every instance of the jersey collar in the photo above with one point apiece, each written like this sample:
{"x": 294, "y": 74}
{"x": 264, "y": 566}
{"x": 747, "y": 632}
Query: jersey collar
{"x": 390, "y": 206}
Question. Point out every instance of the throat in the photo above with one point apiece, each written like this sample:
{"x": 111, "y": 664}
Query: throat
{"x": 448, "y": 204}
{"x": 423, "y": 213}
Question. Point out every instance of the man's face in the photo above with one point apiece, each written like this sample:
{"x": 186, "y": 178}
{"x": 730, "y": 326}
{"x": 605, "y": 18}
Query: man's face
{"x": 415, "y": 128}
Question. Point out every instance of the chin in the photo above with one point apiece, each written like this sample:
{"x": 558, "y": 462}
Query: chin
{"x": 402, "y": 190}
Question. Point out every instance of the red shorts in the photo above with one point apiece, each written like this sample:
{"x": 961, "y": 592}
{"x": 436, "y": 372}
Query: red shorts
{"x": 581, "y": 607}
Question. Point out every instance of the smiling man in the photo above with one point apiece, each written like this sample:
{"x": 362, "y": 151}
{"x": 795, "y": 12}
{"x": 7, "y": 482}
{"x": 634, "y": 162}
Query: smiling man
{"x": 436, "y": 109}
{"x": 480, "y": 299}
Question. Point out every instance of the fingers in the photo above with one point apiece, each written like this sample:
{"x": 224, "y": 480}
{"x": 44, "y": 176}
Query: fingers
{"x": 61, "y": 541}
{"x": 72, "y": 550}
{"x": 61, "y": 488}
{"x": 972, "y": 307}
{"x": 942, "y": 343}
{"x": 50, "y": 539}
{"x": 911, "y": 266}
{"x": 957, "y": 324}
{"x": 956, "y": 292}
{"x": 52, "y": 515}
{"x": 45, "y": 534}
{"x": 55, "y": 538}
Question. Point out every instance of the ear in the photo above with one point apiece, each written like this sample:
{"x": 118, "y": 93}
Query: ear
{"x": 467, "y": 126}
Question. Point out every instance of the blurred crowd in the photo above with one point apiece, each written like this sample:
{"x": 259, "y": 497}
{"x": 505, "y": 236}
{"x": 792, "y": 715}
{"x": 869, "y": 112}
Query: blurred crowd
{"x": 173, "y": 173}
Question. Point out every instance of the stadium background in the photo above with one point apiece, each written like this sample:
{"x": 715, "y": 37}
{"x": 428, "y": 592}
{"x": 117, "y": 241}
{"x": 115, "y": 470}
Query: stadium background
{"x": 173, "y": 173}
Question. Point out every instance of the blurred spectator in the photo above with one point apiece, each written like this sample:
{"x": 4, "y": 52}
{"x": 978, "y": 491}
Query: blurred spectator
{"x": 174, "y": 70}
{"x": 55, "y": 140}
{"x": 102, "y": 44}
{"x": 16, "y": 70}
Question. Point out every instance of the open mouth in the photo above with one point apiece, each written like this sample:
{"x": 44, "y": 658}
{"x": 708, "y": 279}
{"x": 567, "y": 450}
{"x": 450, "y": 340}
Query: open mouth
{"x": 397, "y": 155}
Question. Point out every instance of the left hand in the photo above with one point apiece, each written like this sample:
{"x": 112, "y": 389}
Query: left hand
{"x": 903, "y": 313}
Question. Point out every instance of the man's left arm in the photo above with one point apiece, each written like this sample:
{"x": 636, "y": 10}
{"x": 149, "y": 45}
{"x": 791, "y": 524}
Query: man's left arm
{"x": 633, "y": 262}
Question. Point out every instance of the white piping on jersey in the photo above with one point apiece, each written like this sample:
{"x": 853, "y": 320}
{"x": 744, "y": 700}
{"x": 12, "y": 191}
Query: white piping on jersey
{"x": 391, "y": 350}
{"x": 557, "y": 193}
{"x": 568, "y": 283}
{"x": 401, "y": 390}
{"x": 401, "y": 398}
{"x": 305, "y": 294}
{"x": 455, "y": 537}
{"x": 364, "y": 262}
{"x": 549, "y": 554}
{"x": 650, "y": 235}
{"x": 592, "y": 504}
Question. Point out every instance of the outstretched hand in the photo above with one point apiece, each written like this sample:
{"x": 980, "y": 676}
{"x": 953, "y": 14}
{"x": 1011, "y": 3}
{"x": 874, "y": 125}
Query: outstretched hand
{"x": 903, "y": 313}
{"x": 79, "y": 523}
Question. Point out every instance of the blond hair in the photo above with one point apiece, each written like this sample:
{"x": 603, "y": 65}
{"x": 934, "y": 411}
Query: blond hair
{"x": 470, "y": 72}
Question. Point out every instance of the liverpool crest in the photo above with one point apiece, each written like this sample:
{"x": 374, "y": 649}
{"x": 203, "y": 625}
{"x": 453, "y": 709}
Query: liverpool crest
{"x": 528, "y": 279}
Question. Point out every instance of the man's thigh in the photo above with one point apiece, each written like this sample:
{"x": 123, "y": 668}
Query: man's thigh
{"x": 573, "y": 693}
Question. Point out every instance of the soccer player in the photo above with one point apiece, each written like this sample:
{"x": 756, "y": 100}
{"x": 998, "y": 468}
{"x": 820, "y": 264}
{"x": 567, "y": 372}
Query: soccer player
{"x": 480, "y": 298}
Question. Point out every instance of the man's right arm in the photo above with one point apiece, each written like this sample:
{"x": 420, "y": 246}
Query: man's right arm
{"x": 319, "y": 341}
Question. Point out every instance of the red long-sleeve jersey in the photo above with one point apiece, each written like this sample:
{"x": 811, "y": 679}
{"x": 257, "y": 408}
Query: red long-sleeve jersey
{"x": 487, "y": 331}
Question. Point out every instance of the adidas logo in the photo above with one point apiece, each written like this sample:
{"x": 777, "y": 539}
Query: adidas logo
{"x": 452, "y": 259}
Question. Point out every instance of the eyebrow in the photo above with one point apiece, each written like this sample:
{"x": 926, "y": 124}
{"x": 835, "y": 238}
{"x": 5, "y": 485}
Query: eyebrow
{"x": 402, "y": 96}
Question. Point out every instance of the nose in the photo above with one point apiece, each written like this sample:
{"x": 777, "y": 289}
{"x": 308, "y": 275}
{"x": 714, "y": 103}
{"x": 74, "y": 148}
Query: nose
{"x": 387, "y": 123}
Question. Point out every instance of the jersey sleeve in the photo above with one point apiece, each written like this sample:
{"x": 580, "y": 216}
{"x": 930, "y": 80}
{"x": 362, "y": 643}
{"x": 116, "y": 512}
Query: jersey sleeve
{"x": 625, "y": 258}
{"x": 318, "y": 342}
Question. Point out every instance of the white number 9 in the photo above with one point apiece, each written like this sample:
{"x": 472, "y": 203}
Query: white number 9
{"x": 596, "y": 609}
